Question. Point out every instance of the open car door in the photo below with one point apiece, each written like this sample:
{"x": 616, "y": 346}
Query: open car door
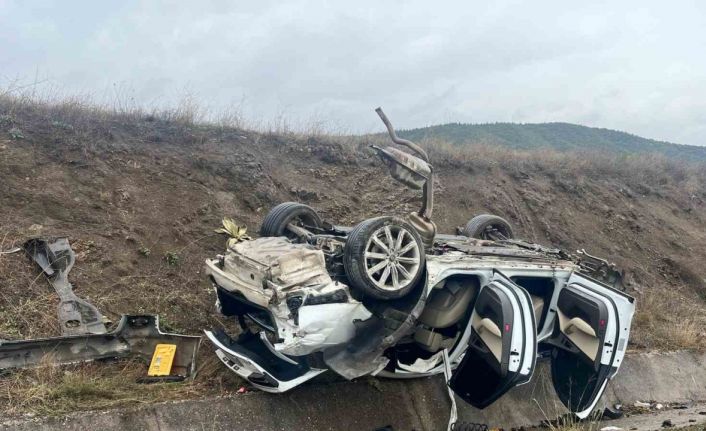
{"x": 502, "y": 350}
{"x": 590, "y": 337}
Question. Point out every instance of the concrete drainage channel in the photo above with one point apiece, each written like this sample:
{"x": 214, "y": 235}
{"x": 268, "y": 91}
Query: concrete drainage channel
{"x": 678, "y": 377}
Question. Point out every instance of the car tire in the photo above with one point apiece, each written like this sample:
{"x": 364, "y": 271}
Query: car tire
{"x": 488, "y": 226}
{"x": 276, "y": 221}
{"x": 375, "y": 243}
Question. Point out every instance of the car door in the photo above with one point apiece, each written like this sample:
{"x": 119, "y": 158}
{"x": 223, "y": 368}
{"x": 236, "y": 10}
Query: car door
{"x": 590, "y": 337}
{"x": 502, "y": 349}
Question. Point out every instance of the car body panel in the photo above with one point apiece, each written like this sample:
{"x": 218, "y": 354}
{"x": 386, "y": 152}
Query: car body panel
{"x": 251, "y": 358}
{"x": 324, "y": 325}
{"x": 233, "y": 284}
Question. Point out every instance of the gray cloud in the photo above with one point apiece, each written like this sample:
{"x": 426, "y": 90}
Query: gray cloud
{"x": 635, "y": 66}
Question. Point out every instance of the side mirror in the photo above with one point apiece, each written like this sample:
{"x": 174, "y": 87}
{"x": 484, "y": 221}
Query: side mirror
{"x": 404, "y": 167}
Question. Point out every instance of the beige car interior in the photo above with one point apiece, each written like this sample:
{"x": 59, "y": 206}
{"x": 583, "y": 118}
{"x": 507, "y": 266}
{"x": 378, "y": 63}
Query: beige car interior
{"x": 490, "y": 333}
{"x": 449, "y": 303}
{"x": 446, "y": 306}
{"x": 538, "y": 307}
{"x": 580, "y": 333}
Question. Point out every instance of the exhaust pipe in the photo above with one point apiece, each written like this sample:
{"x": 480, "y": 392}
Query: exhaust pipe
{"x": 420, "y": 220}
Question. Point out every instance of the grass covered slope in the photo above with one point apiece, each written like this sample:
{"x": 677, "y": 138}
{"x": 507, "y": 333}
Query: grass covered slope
{"x": 557, "y": 136}
{"x": 139, "y": 196}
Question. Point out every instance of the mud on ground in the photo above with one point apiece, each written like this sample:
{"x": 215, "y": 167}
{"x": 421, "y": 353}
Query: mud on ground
{"x": 139, "y": 197}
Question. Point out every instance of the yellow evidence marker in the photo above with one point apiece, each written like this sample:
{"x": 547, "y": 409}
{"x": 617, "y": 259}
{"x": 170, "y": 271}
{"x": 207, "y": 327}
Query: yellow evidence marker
{"x": 162, "y": 359}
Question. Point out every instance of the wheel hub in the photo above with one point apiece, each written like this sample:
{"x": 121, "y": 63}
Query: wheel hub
{"x": 392, "y": 257}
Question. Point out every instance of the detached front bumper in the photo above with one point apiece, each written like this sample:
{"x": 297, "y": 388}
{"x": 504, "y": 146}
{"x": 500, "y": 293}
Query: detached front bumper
{"x": 253, "y": 358}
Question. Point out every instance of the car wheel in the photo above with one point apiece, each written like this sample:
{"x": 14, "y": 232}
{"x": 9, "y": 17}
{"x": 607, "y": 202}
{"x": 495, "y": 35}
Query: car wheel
{"x": 384, "y": 257}
{"x": 488, "y": 226}
{"x": 276, "y": 221}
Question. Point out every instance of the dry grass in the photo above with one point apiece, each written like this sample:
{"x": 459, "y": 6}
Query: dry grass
{"x": 556, "y": 416}
{"x": 645, "y": 173}
{"x": 573, "y": 424}
{"x": 83, "y": 114}
{"x": 50, "y": 390}
{"x": 31, "y": 311}
{"x": 669, "y": 322}
{"x": 86, "y": 111}
{"x": 698, "y": 427}
{"x": 29, "y": 317}
{"x": 635, "y": 169}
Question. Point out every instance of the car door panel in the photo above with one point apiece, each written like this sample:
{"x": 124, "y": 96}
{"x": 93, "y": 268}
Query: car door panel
{"x": 502, "y": 349}
{"x": 590, "y": 338}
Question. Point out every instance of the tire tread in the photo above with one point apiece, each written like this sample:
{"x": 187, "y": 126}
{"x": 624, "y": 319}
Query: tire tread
{"x": 478, "y": 223}
{"x": 354, "y": 262}
{"x": 274, "y": 222}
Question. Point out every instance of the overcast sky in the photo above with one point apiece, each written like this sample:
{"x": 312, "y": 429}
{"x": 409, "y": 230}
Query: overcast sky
{"x": 634, "y": 66}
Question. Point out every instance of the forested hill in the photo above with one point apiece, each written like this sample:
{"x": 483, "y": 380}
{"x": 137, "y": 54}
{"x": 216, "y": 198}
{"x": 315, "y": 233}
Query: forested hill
{"x": 560, "y": 136}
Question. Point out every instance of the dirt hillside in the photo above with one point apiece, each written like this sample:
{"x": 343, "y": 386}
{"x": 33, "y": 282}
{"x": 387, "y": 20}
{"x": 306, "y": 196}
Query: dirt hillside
{"x": 140, "y": 195}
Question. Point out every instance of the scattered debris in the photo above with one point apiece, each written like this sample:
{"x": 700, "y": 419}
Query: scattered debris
{"x": 85, "y": 337}
{"x": 235, "y": 232}
{"x": 615, "y": 413}
{"x": 667, "y": 423}
{"x": 134, "y": 335}
{"x": 641, "y": 406}
{"x": 162, "y": 360}
{"x": 56, "y": 258}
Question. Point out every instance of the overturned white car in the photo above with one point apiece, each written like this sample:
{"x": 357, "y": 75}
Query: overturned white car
{"x": 391, "y": 297}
